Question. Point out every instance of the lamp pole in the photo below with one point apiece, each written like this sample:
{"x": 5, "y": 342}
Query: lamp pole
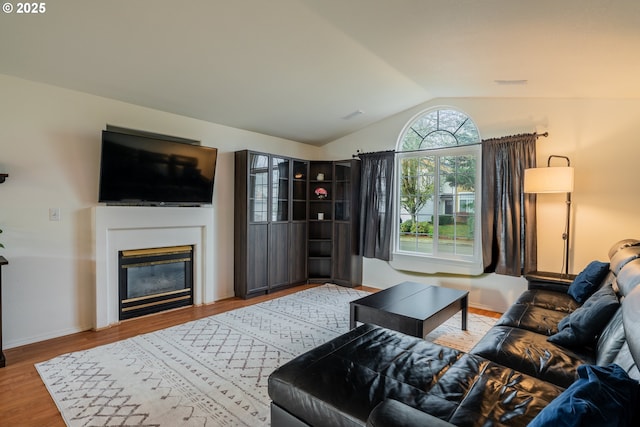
{"x": 565, "y": 235}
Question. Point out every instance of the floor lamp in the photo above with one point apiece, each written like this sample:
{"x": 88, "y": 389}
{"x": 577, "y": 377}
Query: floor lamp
{"x": 553, "y": 180}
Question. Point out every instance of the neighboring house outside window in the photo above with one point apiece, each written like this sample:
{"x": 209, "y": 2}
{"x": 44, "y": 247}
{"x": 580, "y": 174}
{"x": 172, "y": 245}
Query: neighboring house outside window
{"x": 438, "y": 198}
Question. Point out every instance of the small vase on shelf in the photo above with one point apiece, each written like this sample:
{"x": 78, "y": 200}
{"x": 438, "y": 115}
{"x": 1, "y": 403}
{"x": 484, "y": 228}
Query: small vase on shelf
{"x": 321, "y": 193}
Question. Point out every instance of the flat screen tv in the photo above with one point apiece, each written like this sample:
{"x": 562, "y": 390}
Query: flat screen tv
{"x": 148, "y": 170}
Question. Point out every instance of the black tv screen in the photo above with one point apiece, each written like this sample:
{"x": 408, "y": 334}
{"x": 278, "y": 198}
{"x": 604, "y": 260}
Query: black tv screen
{"x": 142, "y": 170}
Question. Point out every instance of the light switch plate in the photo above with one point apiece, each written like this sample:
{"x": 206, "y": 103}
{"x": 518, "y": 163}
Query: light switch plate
{"x": 54, "y": 214}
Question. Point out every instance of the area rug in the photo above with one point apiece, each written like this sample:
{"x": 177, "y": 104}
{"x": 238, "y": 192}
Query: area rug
{"x": 450, "y": 334}
{"x": 212, "y": 371}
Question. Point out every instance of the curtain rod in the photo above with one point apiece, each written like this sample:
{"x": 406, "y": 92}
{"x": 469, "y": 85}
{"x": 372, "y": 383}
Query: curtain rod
{"x": 359, "y": 153}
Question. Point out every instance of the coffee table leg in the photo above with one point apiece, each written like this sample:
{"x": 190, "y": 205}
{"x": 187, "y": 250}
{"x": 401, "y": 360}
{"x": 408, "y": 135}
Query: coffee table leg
{"x": 465, "y": 305}
{"x": 352, "y": 316}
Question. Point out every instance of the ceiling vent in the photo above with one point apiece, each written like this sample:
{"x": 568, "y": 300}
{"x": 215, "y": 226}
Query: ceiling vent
{"x": 521, "y": 82}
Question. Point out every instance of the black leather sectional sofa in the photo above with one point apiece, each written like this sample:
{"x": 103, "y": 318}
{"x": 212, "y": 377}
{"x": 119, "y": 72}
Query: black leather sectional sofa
{"x": 558, "y": 346}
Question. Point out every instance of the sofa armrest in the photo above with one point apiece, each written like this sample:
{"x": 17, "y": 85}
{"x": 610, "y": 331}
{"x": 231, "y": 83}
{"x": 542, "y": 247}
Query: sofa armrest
{"x": 391, "y": 413}
{"x": 549, "y": 281}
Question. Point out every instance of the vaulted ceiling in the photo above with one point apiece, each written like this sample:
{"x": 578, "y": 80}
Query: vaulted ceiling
{"x": 315, "y": 70}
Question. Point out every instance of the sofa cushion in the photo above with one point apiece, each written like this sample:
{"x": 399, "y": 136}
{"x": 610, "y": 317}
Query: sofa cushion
{"x": 477, "y": 392}
{"x": 582, "y": 327}
{"x": 531, "y": 317}
{"x": 631, "y": 320}
{"x": 625, "y": 360}
{"x": 625, "y": 243}
{"x": 588, "y": 281}
{"x": 629, "y": 277}
{"x": 531, "y": 353}
{"x": 550, "y": 300}
{"x": 622, "y": 257}
{"x": 611, "y": 340}
{"x": 392, "y": 413}
{"x": 602, "y": 396}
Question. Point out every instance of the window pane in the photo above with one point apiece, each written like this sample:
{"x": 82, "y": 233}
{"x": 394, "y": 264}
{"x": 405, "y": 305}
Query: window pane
{"x": 468, "y": 133}
{"x": 439, "y": 139}
{"x": 440, "y": 128}
{"x": 451, "y": 120}
{"x": 449, "y": 208}
{"x": 416, "y": 203}
{"x": 258, "y": 188}
{"x": 280, "y": 189}
{"x": 457, "y": 200}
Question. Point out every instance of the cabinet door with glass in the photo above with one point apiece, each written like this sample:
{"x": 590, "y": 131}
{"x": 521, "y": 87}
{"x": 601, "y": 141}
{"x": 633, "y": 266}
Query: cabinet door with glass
{"x": 258, "y": 226}
{"x": 278, "y": 252}
{"x": 251, "y": 223}
{"x": 270, "y": 219}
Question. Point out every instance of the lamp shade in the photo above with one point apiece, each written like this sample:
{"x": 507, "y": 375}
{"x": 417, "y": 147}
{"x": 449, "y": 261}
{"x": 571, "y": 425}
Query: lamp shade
{"x": 548, "y": 180}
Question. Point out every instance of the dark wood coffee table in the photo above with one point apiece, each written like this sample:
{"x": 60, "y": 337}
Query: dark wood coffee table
{"x": 411, "y": 308}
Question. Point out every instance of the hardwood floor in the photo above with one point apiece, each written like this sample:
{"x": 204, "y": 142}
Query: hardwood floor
{"x": 25, "y": 401}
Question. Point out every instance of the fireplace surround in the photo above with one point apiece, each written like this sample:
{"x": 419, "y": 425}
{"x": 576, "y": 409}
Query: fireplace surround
{"x": 119, "y": 228}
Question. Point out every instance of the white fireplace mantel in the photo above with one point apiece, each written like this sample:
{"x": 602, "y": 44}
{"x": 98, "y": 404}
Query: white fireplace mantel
{"x": 138, "y": 227}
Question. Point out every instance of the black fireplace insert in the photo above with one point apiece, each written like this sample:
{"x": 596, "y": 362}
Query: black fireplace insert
{"x": 154, "y": 280}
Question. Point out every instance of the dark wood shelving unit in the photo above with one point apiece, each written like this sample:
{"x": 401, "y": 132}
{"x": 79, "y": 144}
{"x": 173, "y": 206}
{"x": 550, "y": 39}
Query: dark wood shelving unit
{"x": 333, "y": 241}
{"x": 3, "y": 261}
{"x": 320, "y": 238}
{"x": 3, "y": 361}
{"x": 285, "y": 234}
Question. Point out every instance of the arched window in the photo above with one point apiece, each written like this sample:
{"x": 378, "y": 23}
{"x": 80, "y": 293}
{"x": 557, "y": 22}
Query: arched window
{"x": 438, "y": 183}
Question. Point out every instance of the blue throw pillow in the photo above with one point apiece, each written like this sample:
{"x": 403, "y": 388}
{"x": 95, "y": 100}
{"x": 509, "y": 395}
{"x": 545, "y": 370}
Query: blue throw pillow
{"x": 582, "y": 327}
{"x": 589, "y": 279}
{"x": 601, "y": 396}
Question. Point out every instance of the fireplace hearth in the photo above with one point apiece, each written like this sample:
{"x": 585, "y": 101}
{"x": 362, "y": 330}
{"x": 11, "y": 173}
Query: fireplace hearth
{"x": 154, "y": 280}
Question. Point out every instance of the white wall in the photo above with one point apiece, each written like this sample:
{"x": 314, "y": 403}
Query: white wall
{"x": 602, "y": 140}
{"x": 49, "y": 145}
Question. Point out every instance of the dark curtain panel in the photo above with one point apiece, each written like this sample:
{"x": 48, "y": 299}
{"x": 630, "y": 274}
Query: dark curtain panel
{"x": 376, "y": 198}
{"x": 508, "y": 214}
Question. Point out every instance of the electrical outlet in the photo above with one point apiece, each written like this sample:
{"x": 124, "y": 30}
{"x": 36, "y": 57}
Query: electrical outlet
{"x": 54, "y": 214}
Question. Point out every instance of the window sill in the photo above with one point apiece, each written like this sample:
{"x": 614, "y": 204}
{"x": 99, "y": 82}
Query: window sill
{"x": 432, "y": 265}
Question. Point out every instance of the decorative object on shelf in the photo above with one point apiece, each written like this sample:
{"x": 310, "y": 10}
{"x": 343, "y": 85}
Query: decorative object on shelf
{"x": 321, "y": 193}
{"x": 320, "y": 216}
{"x": 320, "y": 177}
{"x": 553, "y": 180}
{"x": 299, "y": 175}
